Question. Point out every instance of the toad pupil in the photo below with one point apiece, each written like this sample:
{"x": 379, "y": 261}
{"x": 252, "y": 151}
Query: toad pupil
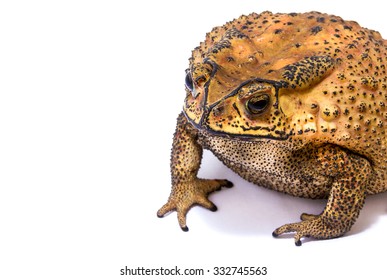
{"x": 258, "y": 104}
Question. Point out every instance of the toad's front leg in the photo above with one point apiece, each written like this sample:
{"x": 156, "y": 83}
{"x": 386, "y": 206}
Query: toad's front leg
{"x": 350, "y": 174}
{"x": 187, "y": 189}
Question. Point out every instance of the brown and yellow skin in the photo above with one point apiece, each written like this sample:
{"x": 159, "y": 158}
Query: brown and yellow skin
{"x": 291, "y": 102}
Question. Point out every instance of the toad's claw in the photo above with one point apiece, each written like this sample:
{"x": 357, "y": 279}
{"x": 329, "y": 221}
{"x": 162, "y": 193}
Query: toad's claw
{"x": 312, "y": 226}
{"x": 182, "y": 209}
{"x": 186, "y": 195}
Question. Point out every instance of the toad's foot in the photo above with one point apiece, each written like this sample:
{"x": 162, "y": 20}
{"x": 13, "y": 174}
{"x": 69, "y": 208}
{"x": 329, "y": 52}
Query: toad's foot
{"x": 187, "y": 194}
{"x": 313, "y": 226}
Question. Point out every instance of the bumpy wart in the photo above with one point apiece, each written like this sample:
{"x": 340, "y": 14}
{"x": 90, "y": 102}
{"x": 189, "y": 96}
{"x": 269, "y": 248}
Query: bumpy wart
{"x": 291, "y": 102}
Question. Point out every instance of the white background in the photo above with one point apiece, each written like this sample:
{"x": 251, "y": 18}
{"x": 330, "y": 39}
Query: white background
{"x": 89, "y": 95}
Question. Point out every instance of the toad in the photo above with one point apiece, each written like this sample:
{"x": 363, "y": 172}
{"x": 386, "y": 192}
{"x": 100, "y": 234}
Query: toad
{"x": 291, "y": 102}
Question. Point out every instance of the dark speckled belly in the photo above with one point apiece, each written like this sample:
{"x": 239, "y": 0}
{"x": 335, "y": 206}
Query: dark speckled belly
{"x": 271, "y": 164}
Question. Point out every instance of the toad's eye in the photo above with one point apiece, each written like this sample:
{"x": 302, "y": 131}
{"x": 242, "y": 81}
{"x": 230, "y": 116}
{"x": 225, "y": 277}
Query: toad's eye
{"x": 258, "y": 104}
{"x": 189, "y": 82}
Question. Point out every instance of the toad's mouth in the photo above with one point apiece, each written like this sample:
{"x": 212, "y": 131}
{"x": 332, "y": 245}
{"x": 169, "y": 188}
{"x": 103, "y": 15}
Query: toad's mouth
{"x": 243, "y": 137}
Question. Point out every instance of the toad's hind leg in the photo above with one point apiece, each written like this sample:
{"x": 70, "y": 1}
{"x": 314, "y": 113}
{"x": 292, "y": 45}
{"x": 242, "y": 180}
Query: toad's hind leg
{"x": 350, "y": 174}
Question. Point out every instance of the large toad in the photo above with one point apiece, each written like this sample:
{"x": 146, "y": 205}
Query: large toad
{"x": 292, "y": 102}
